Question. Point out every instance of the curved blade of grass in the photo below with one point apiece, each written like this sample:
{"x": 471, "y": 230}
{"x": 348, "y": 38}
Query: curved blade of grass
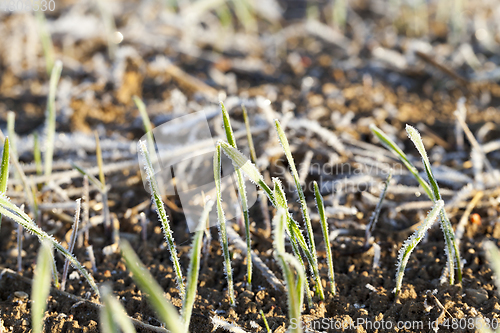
{"x": 162, "y": 215}
{"x": 393, "y": 147}
{"x": 4, "y": 170}
{"x": 166, "y": 311}
{"x": 452, "y": 251}
{"x": 194, "y": 266}
{"x": 51, "y": 117}
{"x": 12, "y": 211}
{"x": 303, "y": 203}
{"x": 222, "y": 226}
{"x": 41, "y": 286}
{"x": 326, "y": 233}
{"x": 241, "y": 192}
{"x": 90, "y": 177}
{"x": 104, "y": 194}
{"x": 451, "y": 246}
{"x": 412, "y": 242}
{"x": 113, "y": 314}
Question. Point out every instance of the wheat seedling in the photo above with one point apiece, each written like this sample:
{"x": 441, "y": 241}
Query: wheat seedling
{"x": 295, "y": 290}
{"x": 222, "y": 226}
{"x": 194, "y": 266}
{"x": 242, "y": 193}
{"x": 71, "y": 245}
{"x": 292, "y": 230}
{"x": 254, "y": 175}
{"x": 112, "y": 315}
{"x": 412, "y": 242}
{"x": 4, "y": 170}
{"x": 104, "y": 193}
{"x": 162, "y": 214}
{"x": 326, "y": 233}
{"x": 268, "y": 330}
{"x": 453, "y": 255}
{"x": 41, "y": 286}
{"x": 46, "y": 40}
{"x": 493, "y": 256}
{"x": 303, "y": 204}
{"x": 154, "y": 293}
{"x": 50, "y": 114}
{"x": 15, "y": 213}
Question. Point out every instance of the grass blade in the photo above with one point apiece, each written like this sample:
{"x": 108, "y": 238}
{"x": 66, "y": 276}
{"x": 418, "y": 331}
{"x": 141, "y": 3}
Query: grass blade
{"x": 326, "y": 235}
{"x": 294, "y": 233}
{"x": 452, "y": 251}
{"x": 393, "y": 147}
{"x": 51, "y": 117}
{"x": 37, "y": 154}
{"x": 412, "y": 242}
{"x": 46, "y": 40}
{"x": 12, "y": 211}
{"x": 253, "y": 155}
{"x": 41, "y": 286}
{"x": 113, "y": 315}
{"x": 451, "y": 246}
{"x": 162, "y": 215}
{"x": 222, "y": 226}
{"x": 194, "y": 266}
{"x": 268, "y": 330}
{"x": 294, "y": 289}
{"x": 493, "y": 255}
{"x": 376, "y": 212}
{"x": 303, "y": 203}
{"x": 71, "y": 245}
{"x": 4, "y": 170}
{"x": 241, "y": 192}
{"x": 96, "y": 182}
{"x": 166, "y": 311}
{"x": 148, "y": 128}
{"x": 104, "y": 194}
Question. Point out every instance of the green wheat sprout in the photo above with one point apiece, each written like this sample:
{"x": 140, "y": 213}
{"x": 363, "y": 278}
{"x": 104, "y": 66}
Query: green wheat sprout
{"x": 4, "y": 170}
{"x": 41, "y": 286}
{"x": 194, "y": 266}
{"x": 165, "y": 310}
{"x": 324, "y": 228}
{"x": 241, "y": 192}
{"x": 295, "y": 289}
{"x": 222, "y": 225}
{"x": 162, "y": 214}
{"x": 412, "y": 242}
{"x": 113, "y": 316}
{"x": 493, "y": 256}
{"x": 303, "y": 204}
{"x": 433, "y": 193}
{"x": 16, "y": 214}
{"x": 256, "y": 177}
{"x": 292, "y": 230}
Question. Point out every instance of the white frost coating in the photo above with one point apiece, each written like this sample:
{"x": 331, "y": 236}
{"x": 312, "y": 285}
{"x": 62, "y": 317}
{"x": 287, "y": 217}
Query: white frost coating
{"x": 242, "y": 162}
{"x": 162, "y": 214}
{"x": 329, "y": 137}
{"x": 218, "y": 322}
{"x": 411, "y": 243}
{"x": 376, "y": 255}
